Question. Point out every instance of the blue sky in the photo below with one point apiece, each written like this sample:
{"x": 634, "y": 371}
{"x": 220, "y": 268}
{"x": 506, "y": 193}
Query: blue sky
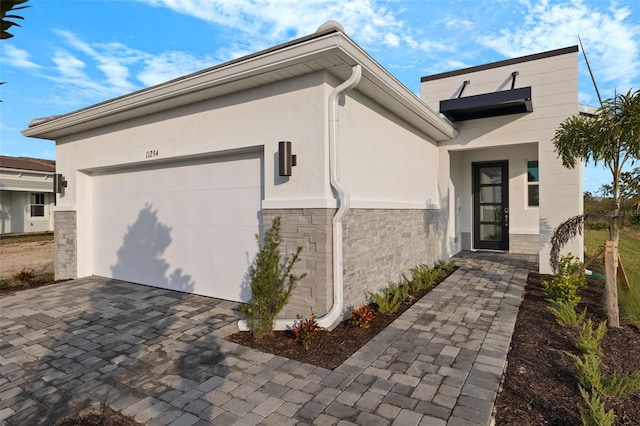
{"x": 69, "y": 54}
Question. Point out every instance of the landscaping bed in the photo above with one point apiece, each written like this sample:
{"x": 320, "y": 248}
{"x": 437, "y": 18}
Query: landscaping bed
{"x": 540, "y": 384}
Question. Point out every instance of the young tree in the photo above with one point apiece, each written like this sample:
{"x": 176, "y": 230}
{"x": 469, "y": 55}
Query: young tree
{"x": 612, "y": 138}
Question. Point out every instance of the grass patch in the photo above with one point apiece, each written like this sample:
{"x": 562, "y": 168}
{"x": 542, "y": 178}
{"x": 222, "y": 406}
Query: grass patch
{"x": 629, "y": 247}
{"x": 26, "y": 238}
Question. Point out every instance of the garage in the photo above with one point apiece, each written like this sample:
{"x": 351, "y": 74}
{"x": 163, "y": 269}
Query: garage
{"x": 186, "y": 225}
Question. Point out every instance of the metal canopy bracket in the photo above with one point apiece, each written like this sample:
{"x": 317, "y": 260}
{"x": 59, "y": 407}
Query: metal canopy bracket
{"x": 495, "y": 104}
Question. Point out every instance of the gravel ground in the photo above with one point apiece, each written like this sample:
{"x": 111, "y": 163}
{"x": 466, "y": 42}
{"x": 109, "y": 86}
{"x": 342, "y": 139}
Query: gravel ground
{"x": 18, "y": 256}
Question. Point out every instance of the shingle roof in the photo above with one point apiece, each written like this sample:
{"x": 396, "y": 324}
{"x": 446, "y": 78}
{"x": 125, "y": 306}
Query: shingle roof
{"x": 27, "y": 163}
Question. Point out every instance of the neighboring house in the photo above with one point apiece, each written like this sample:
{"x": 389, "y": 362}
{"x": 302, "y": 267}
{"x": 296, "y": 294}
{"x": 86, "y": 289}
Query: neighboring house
{"x": 167, "y": 186}
{"x": 26, "y": 194}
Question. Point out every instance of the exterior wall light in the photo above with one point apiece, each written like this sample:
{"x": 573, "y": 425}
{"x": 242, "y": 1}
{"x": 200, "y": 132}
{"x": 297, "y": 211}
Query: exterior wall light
{"x": 286, "y": 160}
{"x": 59, "y": 182}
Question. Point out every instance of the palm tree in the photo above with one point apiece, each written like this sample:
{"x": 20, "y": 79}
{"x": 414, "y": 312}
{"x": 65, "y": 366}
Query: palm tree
{"x": 7, "y": 6}
{"x": 612, "y": 138}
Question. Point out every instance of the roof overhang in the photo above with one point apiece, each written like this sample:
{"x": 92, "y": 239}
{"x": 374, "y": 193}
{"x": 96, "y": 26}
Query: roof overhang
{"x": 506, "y": 102}
{"x": 331, "y": 51}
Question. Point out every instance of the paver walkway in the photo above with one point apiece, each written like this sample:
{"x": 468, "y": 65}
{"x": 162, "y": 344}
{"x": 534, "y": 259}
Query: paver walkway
{"x": 160, "y": 356}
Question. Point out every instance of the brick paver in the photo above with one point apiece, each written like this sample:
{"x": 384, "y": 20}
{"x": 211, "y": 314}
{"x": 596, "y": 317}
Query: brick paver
{"x": 161, "y": 356}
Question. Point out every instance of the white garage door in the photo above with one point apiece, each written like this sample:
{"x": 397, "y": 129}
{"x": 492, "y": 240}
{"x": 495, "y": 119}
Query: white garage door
{"x": 187, "y": 226}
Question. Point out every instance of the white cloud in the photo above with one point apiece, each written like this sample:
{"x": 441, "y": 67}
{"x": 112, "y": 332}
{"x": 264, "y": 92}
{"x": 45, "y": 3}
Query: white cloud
{"x": 260, "y": 22}
{"x": 608, "y": 35}
{"x": 18, "y": 58}
{"x": 169, "y": 65}
{"x": 112, "y": 59}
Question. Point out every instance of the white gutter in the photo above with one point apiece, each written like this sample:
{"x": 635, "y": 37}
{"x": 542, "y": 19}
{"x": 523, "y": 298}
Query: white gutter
{"x": 335, "y": 313}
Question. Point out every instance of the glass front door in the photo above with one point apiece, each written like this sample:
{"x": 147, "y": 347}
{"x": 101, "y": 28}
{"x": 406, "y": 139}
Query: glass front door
{"x": 491, "y": 205}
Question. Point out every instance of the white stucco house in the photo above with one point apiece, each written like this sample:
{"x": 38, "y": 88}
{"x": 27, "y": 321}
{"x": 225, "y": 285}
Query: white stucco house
{"x": 167, "y": 186}
{"x": 26, "y": 194}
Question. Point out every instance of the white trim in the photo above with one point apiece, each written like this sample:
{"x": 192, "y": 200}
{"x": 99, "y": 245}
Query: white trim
{"x": 64, "y": 208}
{"x": 310, "y": 203}
{"x": 391, "y": 205}
{"x": 321, "y": 203}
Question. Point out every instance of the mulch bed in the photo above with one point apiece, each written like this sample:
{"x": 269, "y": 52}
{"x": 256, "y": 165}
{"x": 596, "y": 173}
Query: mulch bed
{"x": 330, "y": 348}
{"x": 97, "y": 415}
{"x": 540, "y": 384}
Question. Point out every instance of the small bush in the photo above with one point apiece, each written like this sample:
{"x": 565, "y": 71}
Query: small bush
{"x": 424, "y": 276}
{"x": 306, "y": 331}
{"x": 565, "y": 313}
{"x": 588, "y": 371}
{"x": 390, "y": 299}
{"x": 589, "y": 341}
{"x": 362, "y": 316}
{"x": 619, "y": 385}
{"x": 595, "y": 413}
{"x": 271, "y": 283}
{"x": 445, "y": 266}
{"x": 569, "y": 264}
{"x": 564, "y": 287}
{"x": 26, "y": 277}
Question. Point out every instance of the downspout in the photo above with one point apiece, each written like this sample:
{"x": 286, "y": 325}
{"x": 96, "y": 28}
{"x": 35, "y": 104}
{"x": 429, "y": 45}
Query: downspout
{"x": 329, "y": 319}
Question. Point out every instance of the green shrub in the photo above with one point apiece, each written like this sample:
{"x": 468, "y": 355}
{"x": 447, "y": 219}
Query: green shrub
{"x": 589, "y": 341}
{"x": 306, "y": 331}
{"x": 564, "y": 287}
{"x": 594, "y": 414}
{"x": 569, "y": 264}
{"x": 588, "y": 371}
{"x": 619, "y": 385}
{"x": 445, "y": 266}
{"x": 271, "y": 283}
{"x": 424, "y": 276}
{"x": 390, "y": 299}
{"x": 362, "y": 316}
{"x": 565, "y": 312}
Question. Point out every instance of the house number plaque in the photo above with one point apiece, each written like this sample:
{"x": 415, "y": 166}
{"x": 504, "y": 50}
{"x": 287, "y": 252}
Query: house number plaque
{"x": 152, "y": 153}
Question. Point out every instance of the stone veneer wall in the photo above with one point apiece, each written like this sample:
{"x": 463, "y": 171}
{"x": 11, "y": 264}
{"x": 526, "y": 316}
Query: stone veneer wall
{"x": 518, "y": 243}
{"x": 524, "y": 243}
{"x": 382, "y": 244}
{"x": 310, "y": 229}
{"x": 65, "y": 239}
{"x": 379, "y": 246}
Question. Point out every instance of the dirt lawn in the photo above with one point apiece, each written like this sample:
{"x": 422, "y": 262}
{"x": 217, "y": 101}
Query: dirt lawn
{"x": 36, "y": 255}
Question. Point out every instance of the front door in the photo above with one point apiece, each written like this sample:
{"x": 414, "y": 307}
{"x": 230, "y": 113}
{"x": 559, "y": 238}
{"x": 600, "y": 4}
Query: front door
{"x": 491, "y": 205}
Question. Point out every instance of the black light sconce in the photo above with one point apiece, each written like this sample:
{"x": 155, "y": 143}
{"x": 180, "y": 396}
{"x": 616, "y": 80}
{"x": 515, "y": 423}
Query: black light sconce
{"x": 59, "y": 182}
{"x": 286, "y": 160}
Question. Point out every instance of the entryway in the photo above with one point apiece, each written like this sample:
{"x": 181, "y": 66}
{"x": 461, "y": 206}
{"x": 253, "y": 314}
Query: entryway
{"x": 491, "y": 205}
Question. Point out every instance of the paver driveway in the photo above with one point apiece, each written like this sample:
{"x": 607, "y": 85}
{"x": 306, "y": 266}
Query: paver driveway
{"x": 161, "y": 357}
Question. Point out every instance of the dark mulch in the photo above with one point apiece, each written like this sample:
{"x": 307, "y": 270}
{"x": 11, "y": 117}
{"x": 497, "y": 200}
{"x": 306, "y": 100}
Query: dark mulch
{"x": 329, "y": 348}
{"x": 97, "y": 415}
{"x": 540, "y": 385}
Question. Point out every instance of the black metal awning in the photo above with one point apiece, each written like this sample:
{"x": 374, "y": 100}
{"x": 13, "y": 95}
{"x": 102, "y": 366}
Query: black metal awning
{"x": 514, "y": 101}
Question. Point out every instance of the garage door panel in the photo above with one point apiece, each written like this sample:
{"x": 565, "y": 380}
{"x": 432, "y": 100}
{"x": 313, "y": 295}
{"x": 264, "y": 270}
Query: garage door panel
{"x": 188, "y": 227}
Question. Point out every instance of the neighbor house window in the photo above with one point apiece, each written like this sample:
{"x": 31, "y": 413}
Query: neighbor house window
{"x": 533, "y": 178}
{"x": 37, "y": 204}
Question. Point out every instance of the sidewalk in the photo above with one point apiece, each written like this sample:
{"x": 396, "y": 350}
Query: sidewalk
{"x": 160, "y": 356}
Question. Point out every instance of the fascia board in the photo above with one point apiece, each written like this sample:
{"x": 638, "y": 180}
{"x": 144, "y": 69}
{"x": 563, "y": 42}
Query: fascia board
{"x": 179, "y": 91}
{"x": 416, "y": 111}
{"x": 295, "y": 54}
